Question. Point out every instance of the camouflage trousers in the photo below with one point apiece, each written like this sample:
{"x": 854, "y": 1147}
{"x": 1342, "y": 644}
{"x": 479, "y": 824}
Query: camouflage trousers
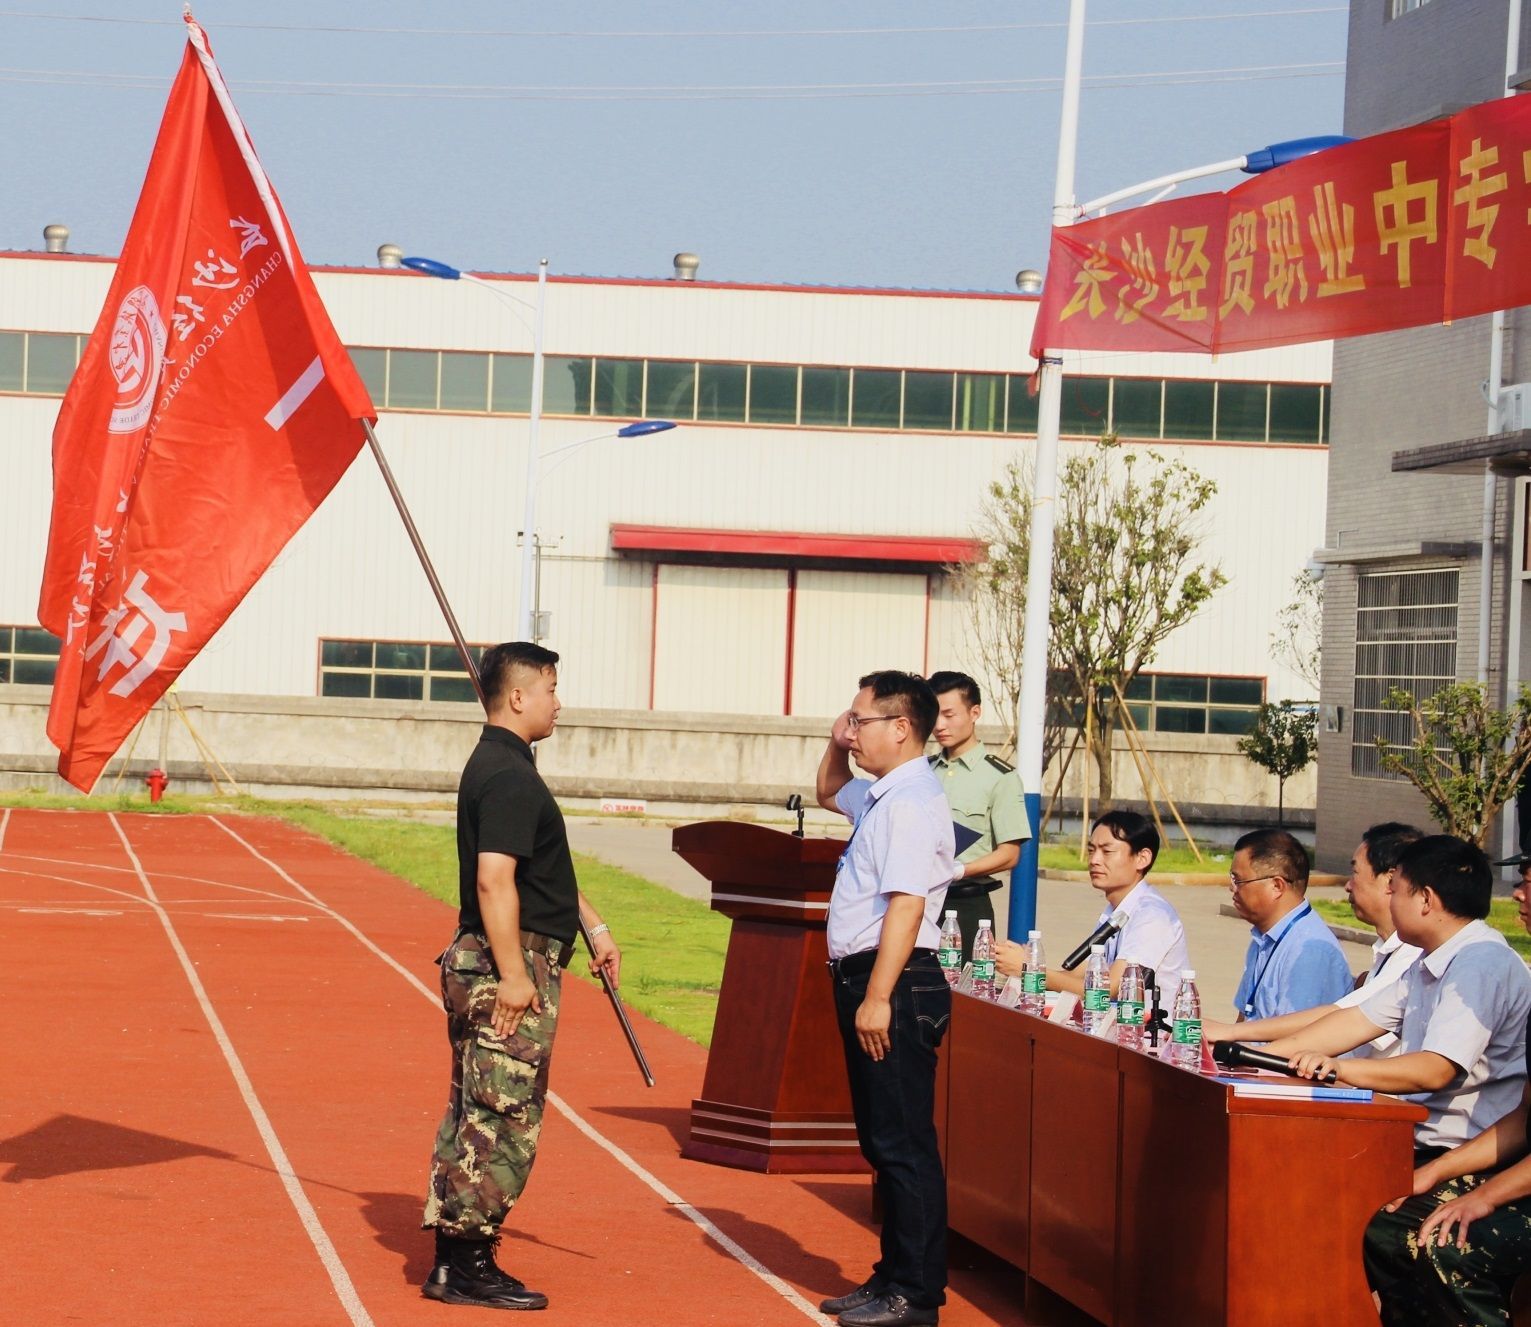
{"x": 488, "y": 1136}
{"x": 1435, "y": 1286}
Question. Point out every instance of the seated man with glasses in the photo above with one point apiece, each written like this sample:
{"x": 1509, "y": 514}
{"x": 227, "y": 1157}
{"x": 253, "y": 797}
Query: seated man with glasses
{"x": 1294, "y": 961}
{"x": 1369, "y": 889}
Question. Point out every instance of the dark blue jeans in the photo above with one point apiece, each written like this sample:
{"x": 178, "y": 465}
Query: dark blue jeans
{"x": 894, "y": 1103}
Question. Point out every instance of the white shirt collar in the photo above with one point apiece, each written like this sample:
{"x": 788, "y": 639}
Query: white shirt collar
{"x": 896, "y": 775}
{"x": 1437, "y": 961}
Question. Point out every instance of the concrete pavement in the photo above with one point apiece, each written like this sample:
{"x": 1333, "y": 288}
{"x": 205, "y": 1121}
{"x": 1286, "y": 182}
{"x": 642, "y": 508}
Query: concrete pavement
{"x": 1066, "y": 910}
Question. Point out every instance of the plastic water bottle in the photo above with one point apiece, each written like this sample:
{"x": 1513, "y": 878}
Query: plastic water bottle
{"x": 1034, "y": 977}
{"x": 950, "y": 952}
{"x": 1097, "y": 993}
{"x": 1129, "y": 1008}
{"x": 1185, "y": 1022}
{"x": 983, "y": 961}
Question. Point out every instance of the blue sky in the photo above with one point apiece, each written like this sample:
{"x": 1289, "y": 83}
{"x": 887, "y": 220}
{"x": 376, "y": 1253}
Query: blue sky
{"x": 855, "y": 157}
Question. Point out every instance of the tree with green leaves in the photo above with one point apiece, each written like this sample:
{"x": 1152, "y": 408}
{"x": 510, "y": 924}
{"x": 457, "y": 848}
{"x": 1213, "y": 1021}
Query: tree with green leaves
{"x": 1126, "y": 574}
{"x": 1283, "y": 742}
{"x": 1467, "y": 757}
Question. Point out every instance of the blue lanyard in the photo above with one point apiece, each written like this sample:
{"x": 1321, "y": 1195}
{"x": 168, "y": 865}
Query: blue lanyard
{"x": 1249, "y": 1002}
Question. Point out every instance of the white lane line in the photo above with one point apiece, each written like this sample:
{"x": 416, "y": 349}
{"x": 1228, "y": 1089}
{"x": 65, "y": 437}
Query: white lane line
{"x": 339, "y": 1277}
{"x": 5, "y": 819}
{"x": 706, "y": 1225}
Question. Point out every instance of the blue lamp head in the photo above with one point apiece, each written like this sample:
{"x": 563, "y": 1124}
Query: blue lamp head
{"x": 645, "y": 426}
{"x": 432, "y": 268}
{"x": 1279, "y": 154}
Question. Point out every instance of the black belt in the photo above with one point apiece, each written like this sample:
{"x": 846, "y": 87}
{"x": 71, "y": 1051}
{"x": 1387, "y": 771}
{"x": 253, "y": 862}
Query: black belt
{"x": 558, "y": 951}
{"x": 974, "y": 886}
{"x": 853, "y": 965}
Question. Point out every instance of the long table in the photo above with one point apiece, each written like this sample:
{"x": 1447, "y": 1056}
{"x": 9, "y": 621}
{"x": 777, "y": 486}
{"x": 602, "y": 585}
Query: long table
{"x": 1147, "y": 1195}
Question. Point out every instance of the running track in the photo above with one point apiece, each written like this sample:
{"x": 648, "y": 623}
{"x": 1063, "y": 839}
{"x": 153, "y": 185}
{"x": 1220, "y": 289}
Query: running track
{"x": 222, "y": 1062}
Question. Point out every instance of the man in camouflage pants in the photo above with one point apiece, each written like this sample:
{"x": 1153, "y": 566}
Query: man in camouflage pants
{"x": 519, "y": 909}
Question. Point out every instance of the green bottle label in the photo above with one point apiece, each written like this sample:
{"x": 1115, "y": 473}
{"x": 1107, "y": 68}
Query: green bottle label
{"x": 1187, "y": 1032}
{"x": 1097, "y": 1000}
{"x": 1034, "y": 983}
{"x": 983, "y": 969}
{"x": 1130, "y": 1013}
{"x": 949, "y": 958}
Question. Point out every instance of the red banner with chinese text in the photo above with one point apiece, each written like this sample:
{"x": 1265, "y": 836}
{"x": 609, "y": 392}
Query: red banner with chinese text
{"x": 1423, "y": 225}
{"x": 213, "y": 409}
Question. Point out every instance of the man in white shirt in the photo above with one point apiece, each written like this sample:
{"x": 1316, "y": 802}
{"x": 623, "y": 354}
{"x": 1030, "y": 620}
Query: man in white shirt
{"x": 891, "y": 997}
{"x": 1460, "y": 1014}
{"x": 1122, "y": 849}
{"x": 1369, "y": 887}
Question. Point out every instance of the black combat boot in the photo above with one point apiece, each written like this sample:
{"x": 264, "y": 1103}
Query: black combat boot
{"x": 465, "y": 1273}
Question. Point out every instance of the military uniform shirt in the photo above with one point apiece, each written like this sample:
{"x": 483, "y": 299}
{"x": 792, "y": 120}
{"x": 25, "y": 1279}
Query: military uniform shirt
{"x": 1467, "y": 1001}
{"x": 985, "y": 796}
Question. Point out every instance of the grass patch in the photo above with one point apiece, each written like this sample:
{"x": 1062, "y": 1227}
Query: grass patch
{"x": 672, "y": 947}
{"x": 1173, "y": 859}
{"x": 1503, "y": 917}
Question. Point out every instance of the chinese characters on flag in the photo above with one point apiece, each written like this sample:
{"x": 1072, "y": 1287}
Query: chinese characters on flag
{"x": 1424, "y": 225}
{"x": 214, "y": 408}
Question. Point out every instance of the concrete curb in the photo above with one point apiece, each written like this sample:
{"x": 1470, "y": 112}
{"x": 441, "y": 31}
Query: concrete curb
{"x": 1355, "y": 934}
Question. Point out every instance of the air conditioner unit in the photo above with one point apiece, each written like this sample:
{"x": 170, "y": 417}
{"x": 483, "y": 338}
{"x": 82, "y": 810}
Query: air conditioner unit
{"x": 1515, "y": 407}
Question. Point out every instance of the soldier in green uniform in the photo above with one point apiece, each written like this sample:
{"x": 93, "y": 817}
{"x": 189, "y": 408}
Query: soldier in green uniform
{"x": 985, "y": 796}
{"x": 519, "y": 910}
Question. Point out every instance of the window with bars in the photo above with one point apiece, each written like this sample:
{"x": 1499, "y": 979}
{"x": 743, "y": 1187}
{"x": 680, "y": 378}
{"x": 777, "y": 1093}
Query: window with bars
{"x": 1398, "y": 8}
{"x": 1406, "y": 636}
{"x": 28, "y": 655}
{"x": 395, "y": 670}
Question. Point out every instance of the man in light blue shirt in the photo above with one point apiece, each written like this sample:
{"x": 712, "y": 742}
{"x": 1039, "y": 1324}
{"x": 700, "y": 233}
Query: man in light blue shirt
{"x": 892, "y": 1002}
{"x": 1294, "y": 962}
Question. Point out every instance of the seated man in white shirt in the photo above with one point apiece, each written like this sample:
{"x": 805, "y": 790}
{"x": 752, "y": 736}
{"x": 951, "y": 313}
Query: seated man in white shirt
{"x": 1369, "y": 887}
{"x": 1122, "y": 849}
{"x": 1460, "y": 1014}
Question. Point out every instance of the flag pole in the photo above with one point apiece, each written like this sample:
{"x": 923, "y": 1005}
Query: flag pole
{"x": 471, "y": 664}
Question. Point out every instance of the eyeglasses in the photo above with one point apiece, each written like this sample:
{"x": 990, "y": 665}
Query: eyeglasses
{"x": 1253, "y": 880}
{"x": 855, "y": 721}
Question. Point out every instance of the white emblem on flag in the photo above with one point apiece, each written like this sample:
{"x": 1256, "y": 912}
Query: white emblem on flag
{"x": 136, "y": 349}
{"x": 123, "y": 628}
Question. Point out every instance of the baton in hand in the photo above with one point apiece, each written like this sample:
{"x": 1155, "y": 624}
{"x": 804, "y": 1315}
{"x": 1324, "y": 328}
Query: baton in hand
{"x": 621, "y": 1013}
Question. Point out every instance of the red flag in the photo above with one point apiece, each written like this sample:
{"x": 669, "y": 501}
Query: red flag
{"x": 214, "y": 408}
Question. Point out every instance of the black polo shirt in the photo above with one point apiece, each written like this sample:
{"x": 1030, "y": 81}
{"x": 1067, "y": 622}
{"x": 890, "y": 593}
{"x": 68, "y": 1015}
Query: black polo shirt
{"x": 504, "y": 806}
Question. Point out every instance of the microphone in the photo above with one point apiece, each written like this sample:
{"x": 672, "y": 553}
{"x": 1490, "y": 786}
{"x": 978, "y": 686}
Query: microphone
{"x": 1236, "y": 1055}
{"x": 1098, "y": 936}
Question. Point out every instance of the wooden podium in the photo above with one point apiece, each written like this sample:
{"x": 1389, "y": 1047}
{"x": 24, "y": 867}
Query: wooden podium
{"x": 775, "y": 1097}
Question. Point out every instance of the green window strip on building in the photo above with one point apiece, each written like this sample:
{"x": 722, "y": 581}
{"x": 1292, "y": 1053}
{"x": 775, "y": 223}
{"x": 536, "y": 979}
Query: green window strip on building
{"x": 28, "y": 656}
{"x": 395, "y": 670}
{"x": 807, "y": 396}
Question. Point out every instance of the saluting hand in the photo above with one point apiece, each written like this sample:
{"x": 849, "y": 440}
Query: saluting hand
{"x": 873, "y": 1019}
{"x": 840, "y": 734}
{"x": 512, "y": 998}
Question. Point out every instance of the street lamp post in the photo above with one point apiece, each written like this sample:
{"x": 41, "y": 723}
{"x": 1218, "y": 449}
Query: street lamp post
{"x": 1031, "y": 704}
{"x": 531, "y": 560}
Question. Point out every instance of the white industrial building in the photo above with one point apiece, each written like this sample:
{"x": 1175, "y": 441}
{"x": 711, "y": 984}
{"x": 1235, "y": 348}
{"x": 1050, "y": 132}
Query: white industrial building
{"x": 834, "y": 447}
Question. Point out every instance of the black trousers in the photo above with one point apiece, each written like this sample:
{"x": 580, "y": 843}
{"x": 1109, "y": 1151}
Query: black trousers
{"x": 894, "y": 1104}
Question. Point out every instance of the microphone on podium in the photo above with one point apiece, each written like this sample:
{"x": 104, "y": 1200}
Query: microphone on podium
{"x": 1236, "y": 1055}
{"x": 1114, "y": 923}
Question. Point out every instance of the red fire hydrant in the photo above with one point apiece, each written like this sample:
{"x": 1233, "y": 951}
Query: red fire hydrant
{"x": 158, "y": 781}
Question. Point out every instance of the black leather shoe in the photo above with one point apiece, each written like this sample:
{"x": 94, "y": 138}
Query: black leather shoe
{"x": 889, "y": 1311}
{"x": 862, "y": 1294}
{"x": 469, "y": 1276}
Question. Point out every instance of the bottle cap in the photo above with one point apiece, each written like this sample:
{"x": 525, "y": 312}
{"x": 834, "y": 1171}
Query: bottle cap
{"x": 1188, "y": 975}
{"x": 951, "y": 914}
{"x": 1034, "y": 935}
